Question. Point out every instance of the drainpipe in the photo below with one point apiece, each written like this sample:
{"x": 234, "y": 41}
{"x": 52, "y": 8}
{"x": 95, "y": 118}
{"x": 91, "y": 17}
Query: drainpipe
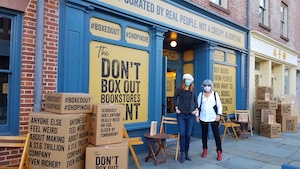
{"x": 249, "y": 50}
{"x": 39, "y": 44}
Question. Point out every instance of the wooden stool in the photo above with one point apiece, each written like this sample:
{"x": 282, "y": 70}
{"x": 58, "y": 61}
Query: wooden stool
{"x": 159, "y": 143}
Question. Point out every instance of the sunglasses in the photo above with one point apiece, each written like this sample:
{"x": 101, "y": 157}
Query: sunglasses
{"x": 206, "y": 85}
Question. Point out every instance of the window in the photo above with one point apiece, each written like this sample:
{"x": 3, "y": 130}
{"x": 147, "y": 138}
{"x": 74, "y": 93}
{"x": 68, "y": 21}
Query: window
{"x": 257, "y": 66}
{"x": 222, "y": 3}
{"x": 283, "y": 24}
{"x": 218, "y": 2}
{"x": 263, "y": 12}
{"x": 4, "y": 68}
{"x": 10, "y": 54}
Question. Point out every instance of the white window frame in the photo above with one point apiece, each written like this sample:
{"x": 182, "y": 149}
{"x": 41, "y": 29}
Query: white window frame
{"x": 264, "y": 12}
{"x": 283, "y": 20}
{"x": 222, "y": 3}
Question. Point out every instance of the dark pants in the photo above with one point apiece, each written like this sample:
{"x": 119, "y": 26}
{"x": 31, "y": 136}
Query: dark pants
{"x": 215, "y": 128}
{"x": 185, "y": 126}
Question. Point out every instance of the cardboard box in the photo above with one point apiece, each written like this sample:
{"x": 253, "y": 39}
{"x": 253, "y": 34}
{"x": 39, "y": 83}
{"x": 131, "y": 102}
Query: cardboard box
{"x": 266, "y": 105}
{"x": 271, "y": 119}
{"x": 264, "y": 93}
{"x": 284, "y": 109}
{"x": 265, "y": 114}
{"x": 289, "y": 124}
{"x": 113, "y": 156}
{"x": 58, "y": 140}
{"x": 106, "y": 124}
{"x": 65, "y": 103}
{"x": 270, "y": 130}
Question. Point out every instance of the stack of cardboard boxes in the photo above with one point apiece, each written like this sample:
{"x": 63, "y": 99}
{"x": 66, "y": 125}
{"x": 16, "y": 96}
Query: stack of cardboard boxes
{"x": 74, "y": 133}
{"x": 108, "y": 148}
{"x": 272, "y": 117}
{"x": 60, "y": 134}
{"x": 283, "y": 116}
{"x": 265, "y": 112}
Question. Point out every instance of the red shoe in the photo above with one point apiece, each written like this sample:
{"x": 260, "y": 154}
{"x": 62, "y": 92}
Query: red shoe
{"x": 219, "y": 158}
{"x": 204, "y": 153}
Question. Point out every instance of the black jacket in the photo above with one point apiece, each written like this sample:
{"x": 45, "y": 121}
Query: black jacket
{"x": 178, "y": 101}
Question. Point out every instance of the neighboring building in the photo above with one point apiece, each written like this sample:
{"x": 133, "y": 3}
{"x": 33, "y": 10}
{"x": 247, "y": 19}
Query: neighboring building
{"x": 274, "y": 47}
{"x": 17, "y": 63}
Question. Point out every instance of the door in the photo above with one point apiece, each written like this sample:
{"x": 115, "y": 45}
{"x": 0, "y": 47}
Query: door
{"x": 170, "y": 74}
{"x": 170, "y": 91}
{"x": 164, "y": 86}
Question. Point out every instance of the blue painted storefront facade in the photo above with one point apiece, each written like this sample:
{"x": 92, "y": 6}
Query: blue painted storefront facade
{"x": 75, "y": 37}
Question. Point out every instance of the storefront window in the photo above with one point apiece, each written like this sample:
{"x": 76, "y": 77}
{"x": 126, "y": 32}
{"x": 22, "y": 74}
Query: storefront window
{"x": 286, "y": 81}
{"x": 10, "y": 68}
{"x": 5, "y": 26}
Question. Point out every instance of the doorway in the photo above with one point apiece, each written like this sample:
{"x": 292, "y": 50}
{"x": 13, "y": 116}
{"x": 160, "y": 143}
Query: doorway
{"x": 170, "y": 90}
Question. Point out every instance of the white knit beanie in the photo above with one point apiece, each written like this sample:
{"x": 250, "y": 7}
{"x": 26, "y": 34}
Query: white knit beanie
{"x": 188, "y": 76}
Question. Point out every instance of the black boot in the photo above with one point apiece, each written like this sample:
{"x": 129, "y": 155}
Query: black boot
{"x": 182, "y": 157}
{"x": 187, "y": 157}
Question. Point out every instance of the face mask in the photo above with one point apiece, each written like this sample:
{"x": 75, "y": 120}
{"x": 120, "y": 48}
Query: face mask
{"x": 188, "y": 82}
{"x": 207, "y": 88}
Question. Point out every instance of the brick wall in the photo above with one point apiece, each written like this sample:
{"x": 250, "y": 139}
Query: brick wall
{"x": 274, "y": 22}
{"x": 28, "y": 56}
{"x": 236, "y": 10}
{"x": 11, "y": 157}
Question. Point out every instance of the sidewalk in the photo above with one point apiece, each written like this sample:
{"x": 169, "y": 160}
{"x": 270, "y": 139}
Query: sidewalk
{"x": 255, "y": 152}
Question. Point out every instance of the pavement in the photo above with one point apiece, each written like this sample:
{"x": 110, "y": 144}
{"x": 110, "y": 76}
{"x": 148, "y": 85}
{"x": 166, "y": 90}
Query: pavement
{"x": 257, "y": 152}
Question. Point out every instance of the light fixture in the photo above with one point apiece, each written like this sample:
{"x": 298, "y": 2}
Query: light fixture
{"x": 173, "y": 43}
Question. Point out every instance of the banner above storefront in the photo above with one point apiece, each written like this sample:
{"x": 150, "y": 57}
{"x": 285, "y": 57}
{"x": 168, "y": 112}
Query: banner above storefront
{"x": 174, "y": 17}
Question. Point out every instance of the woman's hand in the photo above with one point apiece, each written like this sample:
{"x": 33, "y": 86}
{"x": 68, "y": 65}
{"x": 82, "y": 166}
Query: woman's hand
{"x": 197, "y": 119}
{"x": 218, "y": 118}
{"x": 195, "y": 111}
{"x": 177, "y": 110}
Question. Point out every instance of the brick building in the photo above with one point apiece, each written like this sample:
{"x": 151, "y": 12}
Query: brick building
{"x": 17, "y": 64}
{"x": 275, "y": 48}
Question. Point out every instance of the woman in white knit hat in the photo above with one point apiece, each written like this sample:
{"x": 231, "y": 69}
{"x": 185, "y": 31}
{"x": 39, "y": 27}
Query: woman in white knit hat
{"x": 185, "y": 102}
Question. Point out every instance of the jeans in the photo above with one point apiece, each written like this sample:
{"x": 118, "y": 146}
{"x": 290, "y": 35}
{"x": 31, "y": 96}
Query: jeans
{"x": 185, "y": 126}
{"x": 215, "y": 128}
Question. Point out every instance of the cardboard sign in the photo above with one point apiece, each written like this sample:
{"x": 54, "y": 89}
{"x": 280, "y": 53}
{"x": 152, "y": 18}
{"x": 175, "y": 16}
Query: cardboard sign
{"x": 153, "y": 128}
{"x": 107, "y": 124}
{"x": 112, "y": 156}
{"x": 58, "y": 141}
{"x": 64, "y": 103}
{"x": 243, "y": 117}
